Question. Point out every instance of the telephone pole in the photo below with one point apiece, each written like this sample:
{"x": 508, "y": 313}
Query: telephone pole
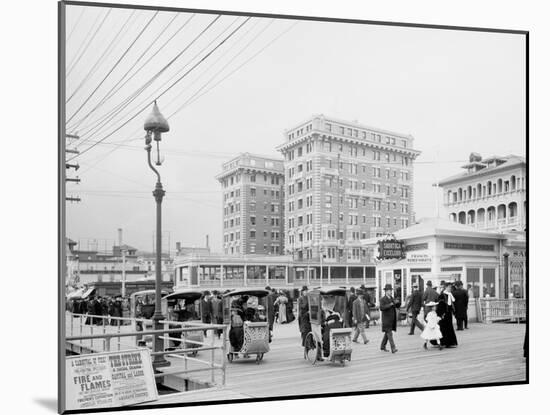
{"x": 70, "y": 166}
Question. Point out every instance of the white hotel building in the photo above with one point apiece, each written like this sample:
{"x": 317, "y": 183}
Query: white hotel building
{"x": 489, "y": 195}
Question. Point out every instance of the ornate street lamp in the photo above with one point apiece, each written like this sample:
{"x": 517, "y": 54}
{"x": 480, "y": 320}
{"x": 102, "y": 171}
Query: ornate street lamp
{"x": 155, "y": 125}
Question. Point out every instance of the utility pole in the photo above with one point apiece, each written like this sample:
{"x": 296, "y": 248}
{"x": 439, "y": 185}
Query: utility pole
{"x": 74, "y": 166}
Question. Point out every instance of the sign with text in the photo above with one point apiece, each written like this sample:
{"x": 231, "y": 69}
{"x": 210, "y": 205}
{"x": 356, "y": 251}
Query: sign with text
{"x": 391, "y": 249}
{"x": 111, "y": 379}
{"x": 418, "y": 258}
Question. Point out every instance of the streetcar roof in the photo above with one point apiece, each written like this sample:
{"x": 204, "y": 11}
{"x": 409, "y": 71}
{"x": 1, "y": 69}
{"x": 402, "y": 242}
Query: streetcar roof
{"x": 256, "y": 292}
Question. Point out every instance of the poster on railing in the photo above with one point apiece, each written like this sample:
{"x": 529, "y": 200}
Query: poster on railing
{"x": 111, "y": 379}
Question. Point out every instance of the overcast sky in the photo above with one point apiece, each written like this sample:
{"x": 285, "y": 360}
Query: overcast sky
{"x": 455, "y": 92}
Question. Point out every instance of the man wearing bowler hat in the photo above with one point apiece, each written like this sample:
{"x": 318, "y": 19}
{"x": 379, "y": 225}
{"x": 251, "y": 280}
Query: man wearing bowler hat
{"x": 388, "y": 308}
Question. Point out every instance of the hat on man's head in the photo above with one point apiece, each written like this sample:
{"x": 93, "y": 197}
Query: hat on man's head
{"x": 304, "y": 288}
{"x": 206, "y": 292}
{"x": 360, "y": 292}
{"x": 429, "y": 283}
{"x": 459, "y": 283}
{"x": 443, "y": 283}
{"x": 352, "y": 289}
{"x": 415, "y": 285}
{"x": 388, "y": 287}
{"x": 268, "y": 288}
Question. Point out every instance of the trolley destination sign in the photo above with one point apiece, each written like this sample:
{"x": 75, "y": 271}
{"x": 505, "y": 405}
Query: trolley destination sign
{"x": 391, "y": 249}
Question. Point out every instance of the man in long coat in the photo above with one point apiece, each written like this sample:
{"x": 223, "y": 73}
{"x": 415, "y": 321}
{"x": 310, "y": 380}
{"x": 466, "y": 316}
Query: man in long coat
{"x": 359, "y": 315}
{"x": 413, "y": 307}
{"x": 429, "y": 295}
{"x": 349, "y": 307}
{"x": 206, "y": 308}
{"x": 388, "y": 308}
{"x": 461, "y": 306}
{"x": 303, "y": 314}
{"x": 270, "y": 307}
{"x": 217, "y": 311}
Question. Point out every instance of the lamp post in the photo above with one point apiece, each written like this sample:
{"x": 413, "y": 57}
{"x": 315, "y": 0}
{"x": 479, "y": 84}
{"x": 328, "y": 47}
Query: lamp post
{"x": 155, "y": 125}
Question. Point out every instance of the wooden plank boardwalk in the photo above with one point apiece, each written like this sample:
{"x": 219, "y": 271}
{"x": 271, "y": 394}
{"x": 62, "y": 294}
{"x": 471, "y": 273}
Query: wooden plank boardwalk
{"x": 486, "y": 353}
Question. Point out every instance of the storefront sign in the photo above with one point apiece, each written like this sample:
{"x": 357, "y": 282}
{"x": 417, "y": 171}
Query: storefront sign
{"x": 416, "y": 247}
{"x": 391, "y": 249}
{"x": 470, "y": 247}
{"x": 112, "y": 379}
{"x": 418, "y": 258}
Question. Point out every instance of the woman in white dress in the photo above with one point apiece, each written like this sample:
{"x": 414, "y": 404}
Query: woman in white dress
{"x": 431, "y": 331}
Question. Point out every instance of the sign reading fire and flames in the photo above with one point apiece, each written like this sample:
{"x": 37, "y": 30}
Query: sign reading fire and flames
{"x": 391, "y": 249}
{"x": 111, "y": 379}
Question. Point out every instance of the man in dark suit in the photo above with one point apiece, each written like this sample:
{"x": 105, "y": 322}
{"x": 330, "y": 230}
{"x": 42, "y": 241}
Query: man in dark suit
{"x": 206, "y": 308}
{"x": 461, "y": 306}
{"x": 303, "y": 314}
{"x": 349, "y": 307}
{"x": 270, "y": 300}
{"x": 359, "y": 315}
{"x": 388, "y": 308}
{"x": 217, "y": 311}
{"x": 429, "y": 295}
{"x": 413, "y": 308}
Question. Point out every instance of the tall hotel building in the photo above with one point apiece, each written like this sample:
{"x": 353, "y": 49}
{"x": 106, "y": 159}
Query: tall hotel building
{"x": 344, "y": 182}
{"x": 253, "y": 211}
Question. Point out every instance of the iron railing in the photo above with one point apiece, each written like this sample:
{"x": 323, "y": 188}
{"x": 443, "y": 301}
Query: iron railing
{"x": 85, "y": 335}
{"x": 490, "y": 310}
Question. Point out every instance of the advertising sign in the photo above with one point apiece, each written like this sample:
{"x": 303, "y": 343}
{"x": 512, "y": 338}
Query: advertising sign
{"x": 111, "y": 379}
{"x": 391, "y": 249}
{"x": 418, "y": 258}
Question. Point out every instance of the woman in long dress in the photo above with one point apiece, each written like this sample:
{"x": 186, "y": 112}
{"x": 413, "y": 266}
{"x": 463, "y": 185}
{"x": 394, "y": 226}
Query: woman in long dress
{"x": 444, "y": 310}
{"x": 281, "y": 302}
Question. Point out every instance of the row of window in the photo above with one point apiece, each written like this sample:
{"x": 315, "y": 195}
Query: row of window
{"x": 274, "y": 193}
{"x": 488, "y": 189}
{"x": 268, "y": 207}
{"x": 231, "y": 223}
{"x": 354, "y": 132}
{"x": 273, "y": 234}
{"x": 352, "y": 219}
{"x": 267, "y": 221}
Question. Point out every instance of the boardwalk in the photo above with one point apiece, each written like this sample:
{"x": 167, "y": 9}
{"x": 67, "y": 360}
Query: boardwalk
{"x": 486, "y": 353}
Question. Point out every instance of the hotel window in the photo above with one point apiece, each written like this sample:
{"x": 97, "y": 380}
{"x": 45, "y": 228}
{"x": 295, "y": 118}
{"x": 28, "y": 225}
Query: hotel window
{"x": 253, "y": 220}
{"x": 365, "y": 137}
{"x": 300, "y": 168}
{"x": 355, "y": 133}
{"x": 328, "y": 217}
{"x": 252, "y": 206}
{"x": 328, "y": 127}
{"x": 349, "y": 132}
{"x": 341, "y": 147}
{"x": 252, "y": 234}
{"x": 252, "y": 178}
{"x": 299, "y": 151}
{"x": 341, "y": 131}
{"x": 388, "y": 140}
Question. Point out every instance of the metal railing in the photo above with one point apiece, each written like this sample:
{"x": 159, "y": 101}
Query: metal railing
{"x": 493, "y": 309}
{"x": 102, "y": 337}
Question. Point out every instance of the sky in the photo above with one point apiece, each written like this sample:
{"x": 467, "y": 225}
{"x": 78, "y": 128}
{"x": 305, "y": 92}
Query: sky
{"x": 455, "y": 92}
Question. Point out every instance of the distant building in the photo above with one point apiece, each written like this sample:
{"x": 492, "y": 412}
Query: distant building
{"x": 490, "y": 194}
{"x": 191, "y": 250}
{"x": 252, "y": 205}
{"x": 344, "y": 182}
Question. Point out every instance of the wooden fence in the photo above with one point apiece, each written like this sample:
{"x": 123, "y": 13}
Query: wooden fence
{"x": 490, "y": 310}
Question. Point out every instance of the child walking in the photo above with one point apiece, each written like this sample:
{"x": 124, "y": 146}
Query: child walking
{"x": 431, "y": 331}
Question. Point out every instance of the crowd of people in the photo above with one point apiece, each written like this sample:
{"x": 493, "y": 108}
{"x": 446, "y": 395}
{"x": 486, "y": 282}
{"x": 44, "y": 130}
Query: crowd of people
{"x": 99, "y": 310}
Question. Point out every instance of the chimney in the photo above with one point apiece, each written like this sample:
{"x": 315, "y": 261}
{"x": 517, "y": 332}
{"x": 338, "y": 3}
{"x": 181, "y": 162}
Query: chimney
{"x": 178, "y": 247}
{"x": 119, "y": 236}
{"x": 207, "y": 241}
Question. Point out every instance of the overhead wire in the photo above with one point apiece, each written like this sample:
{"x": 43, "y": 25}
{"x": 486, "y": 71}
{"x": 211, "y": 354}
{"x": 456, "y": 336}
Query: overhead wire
{"x": 75, "y": 63}
{"x": 168, "y": 88}
{"x": 190, "y": 101}
{"x": 75, "y": 25}
{"x": 142, "y": 88}
{"x": 222, "y": 56}
{"x": 101, "y": 118}
{"x": 114, "y": 66}
{"x": 105, "y": 53}
{"x": 137, "y": 60}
